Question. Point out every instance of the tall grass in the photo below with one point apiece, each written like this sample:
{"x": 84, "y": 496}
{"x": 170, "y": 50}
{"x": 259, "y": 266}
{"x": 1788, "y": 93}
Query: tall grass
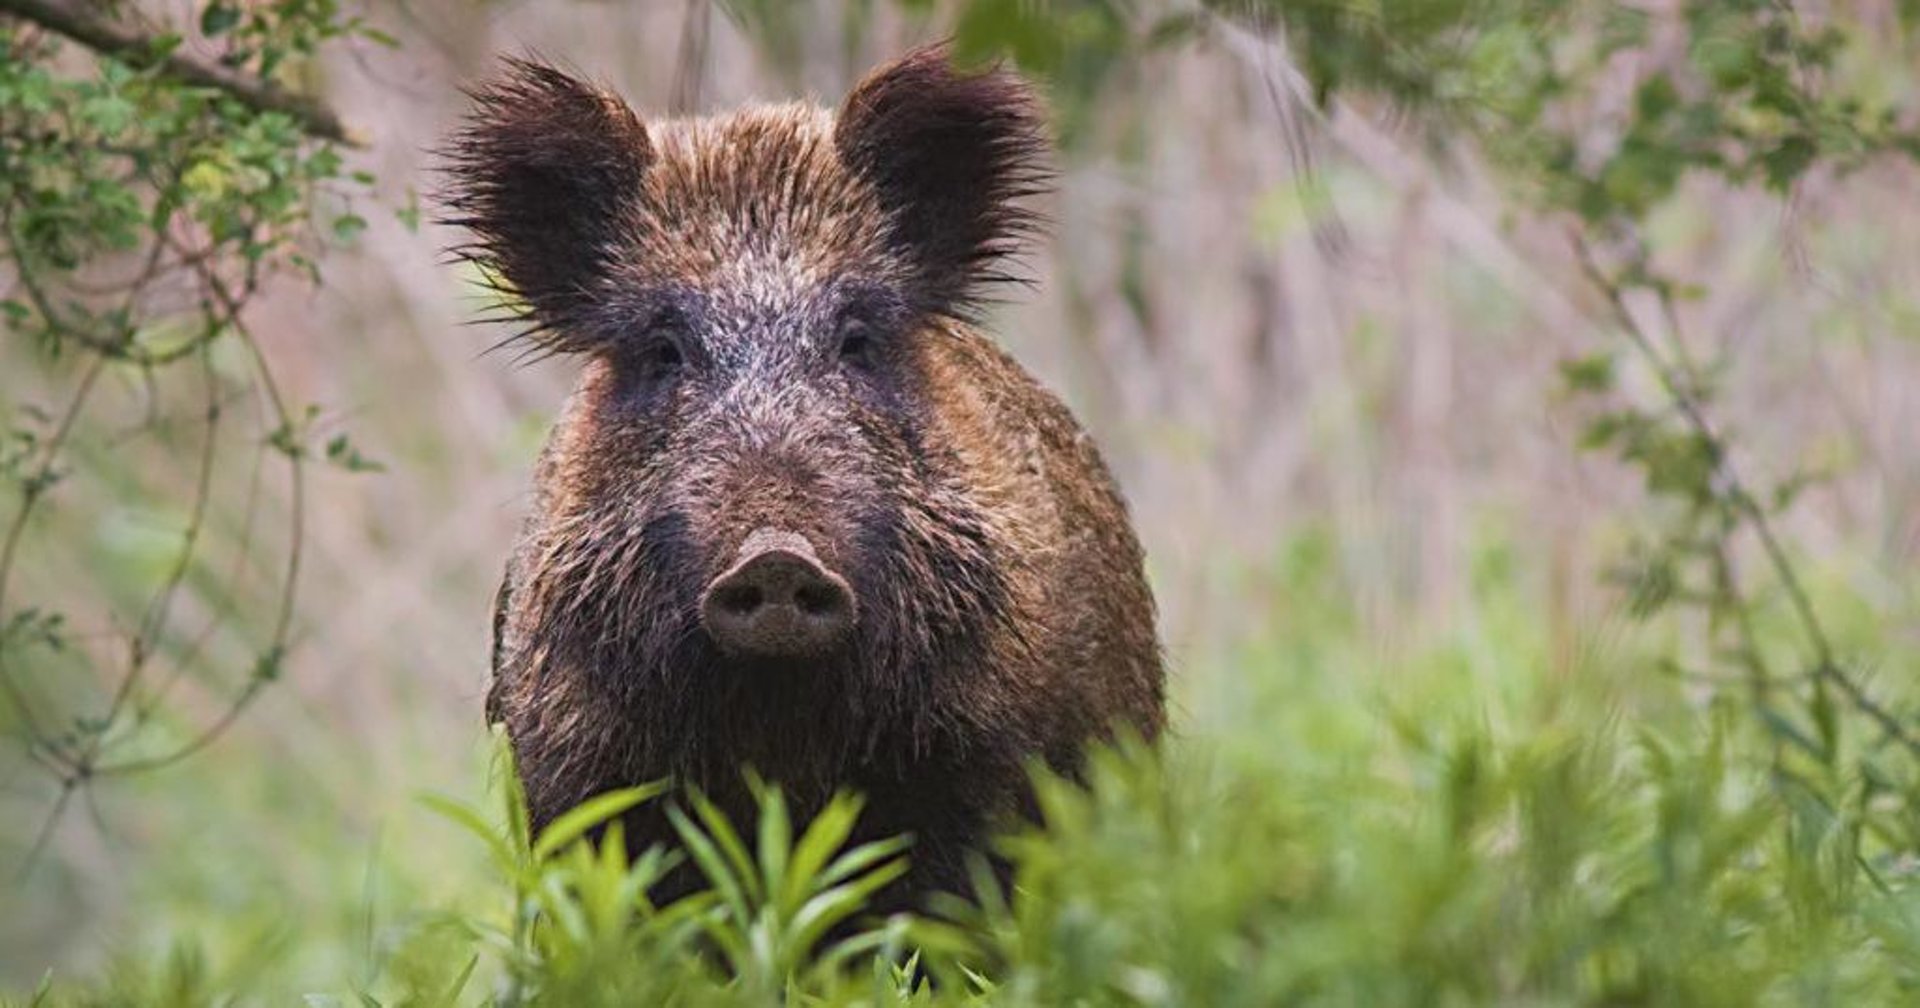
{"x": 1454, "y": 818}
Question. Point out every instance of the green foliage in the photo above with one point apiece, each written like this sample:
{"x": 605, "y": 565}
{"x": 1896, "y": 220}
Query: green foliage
{"x": 777, "y": 916}
{"x": 1760, "y": 93}
{"x": 777, "y": 904}
{"x": 1572, "y": 859}
{"x": 140, "y": 214}
{"x": 1597, "y": 115}
{"x": 1564, "y": 868}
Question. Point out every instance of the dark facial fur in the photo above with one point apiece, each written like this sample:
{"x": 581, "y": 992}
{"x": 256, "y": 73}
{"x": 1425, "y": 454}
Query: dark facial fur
{"x": 772, "y": 309}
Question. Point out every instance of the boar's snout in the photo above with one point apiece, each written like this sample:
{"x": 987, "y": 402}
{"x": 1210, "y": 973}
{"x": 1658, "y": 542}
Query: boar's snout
{"x": 778, "y": 600}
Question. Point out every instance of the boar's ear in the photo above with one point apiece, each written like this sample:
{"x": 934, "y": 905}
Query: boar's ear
{"x": 544, "y": 174}
{"x": 951, "y": 155}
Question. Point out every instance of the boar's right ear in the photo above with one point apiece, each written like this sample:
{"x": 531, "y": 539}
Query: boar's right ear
{"x": 951, "y": 154}
{"x": 544, "y": 174}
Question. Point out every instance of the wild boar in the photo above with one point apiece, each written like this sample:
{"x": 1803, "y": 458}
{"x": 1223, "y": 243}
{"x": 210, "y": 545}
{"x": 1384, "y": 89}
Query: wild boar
{"x": 800, "y": 513}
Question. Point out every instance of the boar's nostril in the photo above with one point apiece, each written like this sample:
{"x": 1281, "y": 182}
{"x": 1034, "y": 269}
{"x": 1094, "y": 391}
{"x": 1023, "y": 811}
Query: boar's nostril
{"x": 777, "y": 601}
{"x": 816, "y": 600}
{"x": 741, "y": 599}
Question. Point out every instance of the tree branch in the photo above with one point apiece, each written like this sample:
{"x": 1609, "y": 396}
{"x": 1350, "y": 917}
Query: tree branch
{"x": 84, "y": 23}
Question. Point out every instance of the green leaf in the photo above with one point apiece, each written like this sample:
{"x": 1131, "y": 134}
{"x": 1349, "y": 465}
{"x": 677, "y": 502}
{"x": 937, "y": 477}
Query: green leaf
{"x": 218, "y": 18}
{"x": 347, "y": 227}
{"x": 1593, "y": 373}
{"x": 409, "y": 215}
{"x": 1787, "y": 161}
{"x": 1651, "y": 586}
{"x": 775, "y": 840}
{"x": 576, "y": 821}
{"x": 1729, "y": 62}
{"x": 727, "y": 839}
{"x": 342, "y": 453}
{"x": 818, "y": 844}
{"x": 726, "y": 881}
{"x": 1610, "y": 428}
{"x": 841, "y": 902}
{"x": 470, "y": 820}
{"x": 1826, "y": 718}
{"x": 270, "y": 664}
{"x": 861, "y": 858}
{"x": 378, "y": 37}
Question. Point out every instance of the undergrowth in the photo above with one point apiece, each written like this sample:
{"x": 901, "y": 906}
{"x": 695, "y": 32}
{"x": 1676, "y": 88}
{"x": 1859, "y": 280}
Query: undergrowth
{"x": 1432, "y": 847}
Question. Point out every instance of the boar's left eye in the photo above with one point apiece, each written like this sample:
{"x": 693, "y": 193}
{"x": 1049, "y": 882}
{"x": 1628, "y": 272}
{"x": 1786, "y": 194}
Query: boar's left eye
{"x": 663, "y": 356}
{"x": 856, "y": 341}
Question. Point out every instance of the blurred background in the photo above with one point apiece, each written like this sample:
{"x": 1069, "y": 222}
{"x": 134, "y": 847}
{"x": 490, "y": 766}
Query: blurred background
{"x": 1322, "y": 353}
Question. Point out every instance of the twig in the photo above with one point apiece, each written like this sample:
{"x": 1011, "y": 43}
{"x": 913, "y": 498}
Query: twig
{"x": 1738, "y": 498}
{"x": 84, "y": 23}
{"x": 232, "y": 304}
{"x": 146, "y": 640}
{"x": 44, "y": 834}
{"x": 31, "y": 494}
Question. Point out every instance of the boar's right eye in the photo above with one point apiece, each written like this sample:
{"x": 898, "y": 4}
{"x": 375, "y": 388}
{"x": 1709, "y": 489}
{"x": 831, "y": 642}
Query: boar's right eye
{"x": 660, "y": 358}
{"x": 657, "y": 351}
{"x": 653, "y": 356}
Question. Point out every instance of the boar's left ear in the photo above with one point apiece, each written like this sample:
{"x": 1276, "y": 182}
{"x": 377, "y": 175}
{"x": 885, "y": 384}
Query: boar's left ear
{"x": 545, "y": 175}
{"x": 951, "y": 154}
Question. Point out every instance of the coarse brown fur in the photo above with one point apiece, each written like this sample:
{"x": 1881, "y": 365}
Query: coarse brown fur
{"x": 776, "y": 311}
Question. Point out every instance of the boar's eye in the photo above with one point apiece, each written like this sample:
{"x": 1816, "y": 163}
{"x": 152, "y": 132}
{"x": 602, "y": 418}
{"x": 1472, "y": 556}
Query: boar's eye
{"x": 662, "y": 356}
{"x": 856, "y": 341}
{"x": 657, "y": 354}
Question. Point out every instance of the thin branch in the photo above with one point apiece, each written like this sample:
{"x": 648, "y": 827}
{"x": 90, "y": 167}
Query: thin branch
{"x": 264, "y": 673}
{"x": 146, "y": 640}
{"x": 1676, "y": 384}
{"x": 32, "y": 492}
{"x": 44, "y": 834}
{"x": 86, "y": 24}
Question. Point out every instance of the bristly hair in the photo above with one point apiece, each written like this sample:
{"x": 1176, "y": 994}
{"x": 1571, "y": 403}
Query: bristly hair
{"x": 569, "y": 198}
{"x": 544, "y": 175}
{"x": 953, "y": 155}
